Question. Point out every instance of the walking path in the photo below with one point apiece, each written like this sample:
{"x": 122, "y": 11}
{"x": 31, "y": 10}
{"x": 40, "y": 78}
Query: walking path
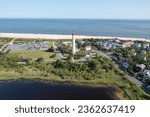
{"x": 11, "y": 42}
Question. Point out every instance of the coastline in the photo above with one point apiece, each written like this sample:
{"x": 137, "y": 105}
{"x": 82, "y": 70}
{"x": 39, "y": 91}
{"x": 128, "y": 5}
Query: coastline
{"x": 124, "y": 88}
{"x": 63, "y": 37}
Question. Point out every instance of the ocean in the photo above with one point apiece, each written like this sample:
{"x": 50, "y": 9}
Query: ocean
{"x": 94, "y": 27}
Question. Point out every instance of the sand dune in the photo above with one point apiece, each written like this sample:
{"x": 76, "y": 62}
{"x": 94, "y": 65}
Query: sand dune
{"x": 55, "y": 36}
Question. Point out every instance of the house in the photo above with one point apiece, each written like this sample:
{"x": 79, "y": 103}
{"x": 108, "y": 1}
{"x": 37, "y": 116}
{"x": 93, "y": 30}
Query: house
{"x": 115, "y": 43}
{"x": 115, "y": 40}
{"x": 144, "y": 58}
{"x": 88, "y": 48}
{"x": 148, "y": 49}
{"x": 143, "y": 52}
{"x": 148, "y": 87}
{"x": 67, "y": 43}
{"x": 114, "y": 47}
{"x": 120, "y": 43}
{"x": 134, "y": 54}
{"x": 99, "y": 43}
{"x": 146, "y": 74}
{"x": 106, "y": 46}
{"x": 136, "y": 75}
{"x": 145, "y": 45}
{"x": 125, "y": 65}
{"x": 140, "y": 67}
{"x": 137, "y": 45}
{"x": 82, "y": 42}
{"x": 127, "y": 43}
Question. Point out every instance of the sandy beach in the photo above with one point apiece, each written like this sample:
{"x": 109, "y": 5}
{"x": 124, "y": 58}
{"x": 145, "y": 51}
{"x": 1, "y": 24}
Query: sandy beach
{"x": 57, "y": 36}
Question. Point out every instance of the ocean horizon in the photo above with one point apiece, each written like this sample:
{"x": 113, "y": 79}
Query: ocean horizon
{"x": 131, "y": 28}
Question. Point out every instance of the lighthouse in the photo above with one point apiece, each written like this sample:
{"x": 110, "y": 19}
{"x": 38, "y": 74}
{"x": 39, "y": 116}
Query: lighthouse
{"x": 73, "y": 43}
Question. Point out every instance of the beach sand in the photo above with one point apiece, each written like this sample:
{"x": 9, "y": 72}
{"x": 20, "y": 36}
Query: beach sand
{"x": 55, "y": 36}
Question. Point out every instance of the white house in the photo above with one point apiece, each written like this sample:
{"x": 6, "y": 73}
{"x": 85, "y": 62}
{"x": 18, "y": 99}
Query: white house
{"x": 99, "y": 43}
{"x": 143, "y": 52}
{"x": 138, "y": 45}
{"x": 87, "y": 48}
{"x": 146, "y": 73}
{"x": 119, "y": 43}
{"x": 82, "y": 42}
{"x": 134, "y": 54}
{"x": 144, "y": 58}
{"x": 67, "y": 43}
{"x": 127, "y": 43}
{"x": 145, "y": 45}
{"x": 106, "y": 46}
{"x": 140, "y": 67}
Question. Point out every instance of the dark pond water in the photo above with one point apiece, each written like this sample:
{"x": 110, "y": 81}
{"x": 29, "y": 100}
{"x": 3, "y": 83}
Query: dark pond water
{"x": 38, "y": 90}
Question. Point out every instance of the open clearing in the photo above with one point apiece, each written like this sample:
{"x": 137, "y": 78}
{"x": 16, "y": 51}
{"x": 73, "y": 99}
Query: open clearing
{"x": 34, "y": 54}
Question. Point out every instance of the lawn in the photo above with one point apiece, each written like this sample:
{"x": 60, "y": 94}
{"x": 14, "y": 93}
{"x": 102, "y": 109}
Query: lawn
{"x": 34, "y": 54}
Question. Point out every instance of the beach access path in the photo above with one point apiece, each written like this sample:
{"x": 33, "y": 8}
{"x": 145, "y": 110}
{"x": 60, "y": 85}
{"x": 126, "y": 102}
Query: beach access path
{"x": 11, "y": 42}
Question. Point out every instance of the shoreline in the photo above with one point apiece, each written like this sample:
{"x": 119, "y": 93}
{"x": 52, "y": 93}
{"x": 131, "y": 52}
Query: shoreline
{"x": 63, "y": 37}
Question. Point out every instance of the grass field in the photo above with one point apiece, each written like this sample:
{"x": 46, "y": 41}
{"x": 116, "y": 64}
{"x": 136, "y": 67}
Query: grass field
{"x": 34, "y": 54}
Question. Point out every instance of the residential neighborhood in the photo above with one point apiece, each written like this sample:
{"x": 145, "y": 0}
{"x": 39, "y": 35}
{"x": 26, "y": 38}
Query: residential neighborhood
{"x": 133, "y": 57}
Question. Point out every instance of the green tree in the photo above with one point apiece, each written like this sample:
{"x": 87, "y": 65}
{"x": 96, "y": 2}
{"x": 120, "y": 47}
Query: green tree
{"x": 51, "y": 49}
{"x": 80, "y": 54}
{"x": 92, "y": 64}
{"x": 58, "y": 64}
{"x": 40, "y": 60}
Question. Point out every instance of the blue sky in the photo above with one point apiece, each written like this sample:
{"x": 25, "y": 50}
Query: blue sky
{"x": 91, "y": 9}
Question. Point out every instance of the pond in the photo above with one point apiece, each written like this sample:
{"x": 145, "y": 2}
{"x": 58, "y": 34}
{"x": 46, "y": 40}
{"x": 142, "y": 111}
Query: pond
{"x": 39, "y": 90}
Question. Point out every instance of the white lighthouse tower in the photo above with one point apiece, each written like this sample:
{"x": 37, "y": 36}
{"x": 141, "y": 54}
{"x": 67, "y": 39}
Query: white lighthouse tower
{"x": 73, "y": 43}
